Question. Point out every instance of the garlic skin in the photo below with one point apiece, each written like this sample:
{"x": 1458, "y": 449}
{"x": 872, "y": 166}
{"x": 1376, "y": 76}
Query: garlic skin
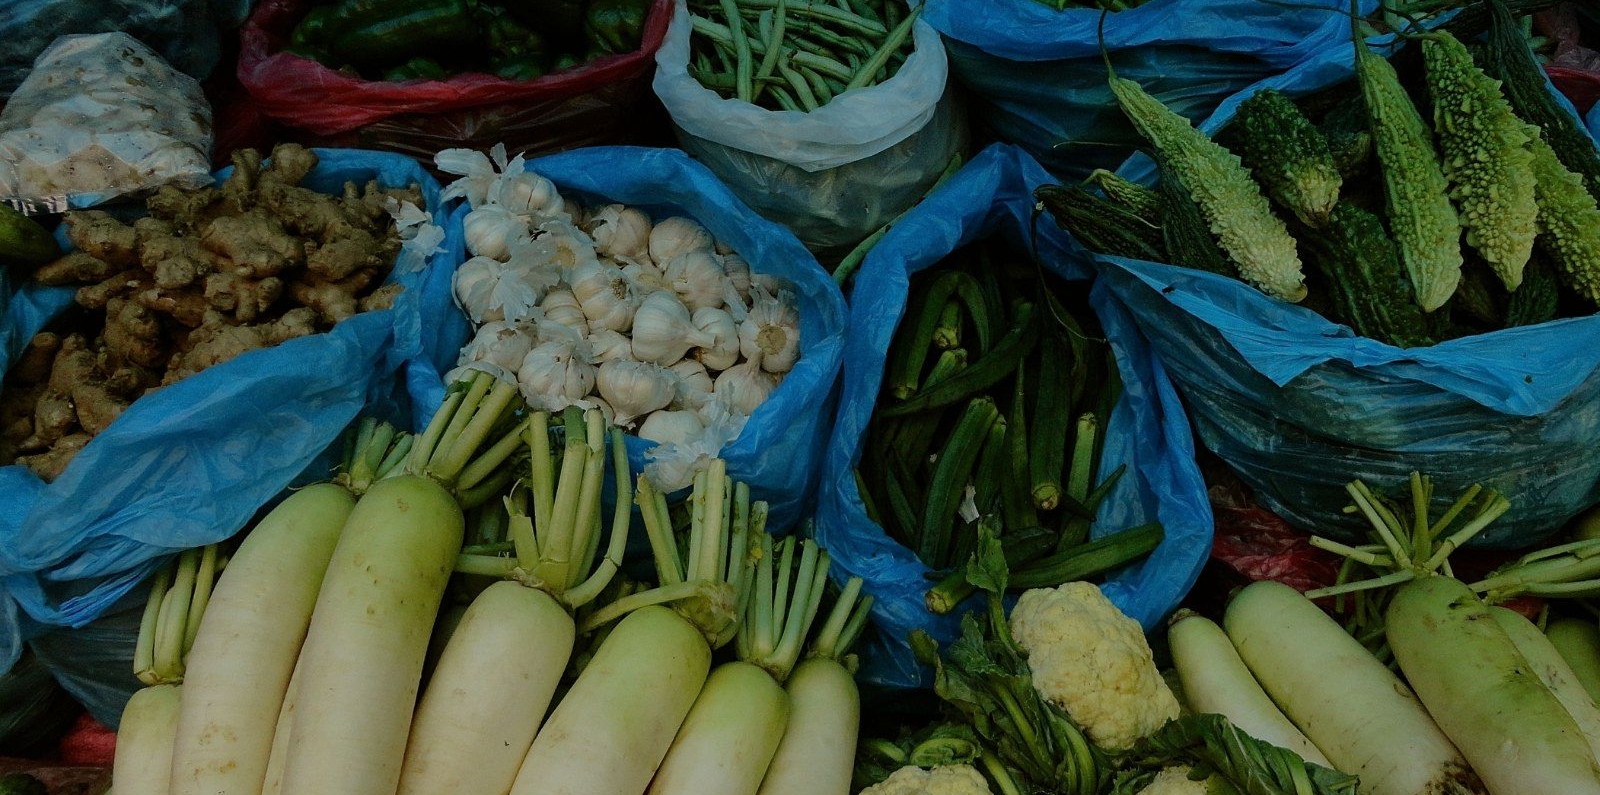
{"x": 646, "y": 277}
{"x": 502, "y": 344}
{"x": 476, "y": 170}
{"x": 677, "y": 235}
{"x": 738, "y": 272}
{"x": 693, "y": 381}
{"x": 605, "y": 294}
{"x": 621, "y": 233}
{"x": 526, "y": 193}
{"x": 559, "y": 247}
{"x": 724, "y": 330}
{"x": 488, "y": 290}
{"x": 557, "y": 374}
{"x": 561, "y": 306}
{"x": 663, "y": 330}
{"x": 608, "y": 345}
{"x": 698, "y": 279}
{"x": 635, "y": 389}
{"x": 491, "y": 230}
{"x": 671, "y": 427}
{"x": 745, "y": 386}
{"x": 770, "y": 335}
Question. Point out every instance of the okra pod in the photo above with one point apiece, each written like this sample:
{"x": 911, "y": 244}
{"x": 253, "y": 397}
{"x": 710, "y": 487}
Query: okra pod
{"x": 1020, "y": 547}
{"x": 1052, "y": 402}
{"x": 979, "y": 375}
{"x": 947, "y": 334}
{"x": 950, "y": 476}
{"x": 908, "y": 369}
{"x": 1087, "y": 560}
{"x": 1018, "y": 497}
{"x": 1083, "y": 447}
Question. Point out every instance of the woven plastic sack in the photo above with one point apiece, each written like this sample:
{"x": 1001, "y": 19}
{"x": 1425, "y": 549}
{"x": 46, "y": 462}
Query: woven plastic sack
{"x": 187, "y": 33}
{"x": 992, "y": 196}
{"x": 833, "y": 175}
{"x": 600, "y": 102}
{"x": 191, "y": 463}
{"x": 780, "y": 449}
{"x": 1299, "y": 406}
{"x": 1037, "y": 78}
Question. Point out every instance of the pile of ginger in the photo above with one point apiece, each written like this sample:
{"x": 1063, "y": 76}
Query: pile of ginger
{"x": 208, "y": 275}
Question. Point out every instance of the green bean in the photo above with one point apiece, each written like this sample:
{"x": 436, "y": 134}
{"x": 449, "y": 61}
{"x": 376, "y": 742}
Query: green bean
{"x": 891, "y": 13}
{"x": 834, "y": 14}
{"x": 823, "y": 65}
{"x": 881, "y": 58}
{"x": 785, "y": 99}
{"x": 819, "y": 86}
{"x": 864, "y": 9}
{"x": 744, "y": 70}
{"x": 802, "y": 89}
{"x": 773, "y": 41}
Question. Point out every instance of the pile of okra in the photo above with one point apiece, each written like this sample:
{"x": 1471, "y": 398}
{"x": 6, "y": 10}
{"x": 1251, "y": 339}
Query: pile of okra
{"x": 797, "y": 54}
{"x": 997, "y": 392}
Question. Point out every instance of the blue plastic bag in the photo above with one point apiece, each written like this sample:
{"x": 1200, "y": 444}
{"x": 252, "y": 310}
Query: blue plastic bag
{"x": 191, "y": 463}
{"x": 1300, "y": 406}
{"x": 1594, "y": 120}
{"x": 1038, "y": 80}
{"x": 992, "y": 196}
{"x": 779, "y": 451}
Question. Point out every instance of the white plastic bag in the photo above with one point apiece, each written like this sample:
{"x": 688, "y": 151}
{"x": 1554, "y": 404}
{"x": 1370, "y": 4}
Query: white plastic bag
{"x": 101, "y": 116}
{"x": 833, "y": 175}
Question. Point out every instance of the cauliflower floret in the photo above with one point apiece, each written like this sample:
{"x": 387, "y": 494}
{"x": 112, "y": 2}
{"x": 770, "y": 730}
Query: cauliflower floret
{"x": 1092, "y": 661}
{"x": 1175, "y": 781}
{"x": 947, "y": 780}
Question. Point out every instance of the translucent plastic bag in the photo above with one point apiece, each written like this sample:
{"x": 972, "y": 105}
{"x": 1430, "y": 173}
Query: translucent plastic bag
{"x": 993, "y": 196}
{"x": 779, "y": 450}
{"x": 600, "y": 102}
{"x": 191, "y": 463}
{"x": 1038, "y": 80}
{"x": 833, "y": 175}
{"x": 102, "y": 116}
{"x": 188, "y": 33}
{"x": 1299, "y": 406}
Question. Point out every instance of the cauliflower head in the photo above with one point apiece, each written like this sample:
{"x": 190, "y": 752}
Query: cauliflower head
{"x": 1175, "y": 781}
{"x": 1094, "y": 662}
{"x": 946, "y": 780}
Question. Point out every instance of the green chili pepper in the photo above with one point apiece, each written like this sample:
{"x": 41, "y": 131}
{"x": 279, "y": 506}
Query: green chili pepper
{"x": 615, "y": 26}
{"x": 419, "y": 68}
{"x": 558, "y": 20}
{"x": 510, "y": 39}
{"x": 313, "y": 28}
{"x": 414, "y": 27}
{"x": 521, "y": 69}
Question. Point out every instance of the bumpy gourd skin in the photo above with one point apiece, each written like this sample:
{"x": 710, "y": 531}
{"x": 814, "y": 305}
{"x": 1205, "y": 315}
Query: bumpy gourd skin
{"x": 1258, "y": 241}
{"x": 1289, "y": 156}
{"x": 1369, "y": 286}
{"x": 1486, "y": 157}
{"x": 1424, "y": 224}
{"x": 1570, "y": 222}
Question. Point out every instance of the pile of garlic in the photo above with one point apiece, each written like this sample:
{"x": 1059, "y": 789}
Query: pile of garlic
{"x": 667, "y": 332}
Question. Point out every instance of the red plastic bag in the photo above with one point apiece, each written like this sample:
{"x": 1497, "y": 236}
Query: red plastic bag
{"x": 600, "y": 102}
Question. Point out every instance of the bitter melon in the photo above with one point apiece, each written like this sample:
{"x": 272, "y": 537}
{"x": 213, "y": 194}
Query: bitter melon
{"x": 1368, "y": 284}
{"x": 1288, "y": 156}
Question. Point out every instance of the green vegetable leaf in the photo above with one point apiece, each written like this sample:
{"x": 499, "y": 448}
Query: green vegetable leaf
{"x": 988, "y": 570}
{"x": 1212, "y": 745}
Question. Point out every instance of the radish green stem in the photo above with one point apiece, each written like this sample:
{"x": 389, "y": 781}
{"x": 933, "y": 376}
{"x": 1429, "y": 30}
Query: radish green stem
{"x": 486, "y": 565}
{"x": 172, "y": 627}
{"x": 423, "y": 448}
{"x": 658, "y": 529}
{"x": 542, "y": 480}
{"x": 1394, "y": 578}
{"x": 1497, "y": 507}
{"x": 1354, "y": 554}
{"x": 144, "y": 648}
{"x": 1364, "y": 500}
{"x": 489, "y": 548}
{"x": 205, "y": 578}
{"x": 590, "y": 589}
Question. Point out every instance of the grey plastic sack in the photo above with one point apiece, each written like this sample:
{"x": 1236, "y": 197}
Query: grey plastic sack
{"x": 833, "y": 175}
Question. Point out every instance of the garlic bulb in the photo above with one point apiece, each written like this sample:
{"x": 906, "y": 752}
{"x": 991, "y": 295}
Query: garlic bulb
{"x": 488, "y": 289}
{"x": 476, "y": 170}
{"x": 663, "y": 330}
{"x": 561, "y": 306}
{"x": 621, "y": 233}
{"x": 693, "y": 381}
{"x": 606, "y": 296}
{"x": 745, "y": 386}
{"x": 576, "y": 212}
{"x": 635, "y": 389}
{"x": 557, "y": 374}
{"x": 724, "y": 352}
{"x": 738, "y": 272}
{"x": 559, "y": 246}
{"x": 608, "y": 345}
{"x": 698, "y": 279}
{"x": 526, "y": 193}
{"x": 490, "y": 231}
{"x": 500, "y": 343}
{"x": 770, "y": 335}
{"x": 646, "y": 277}
{"x": 770, "y": 283}
{"x": 677, "y": 235}
{"x": 671, "y": 427}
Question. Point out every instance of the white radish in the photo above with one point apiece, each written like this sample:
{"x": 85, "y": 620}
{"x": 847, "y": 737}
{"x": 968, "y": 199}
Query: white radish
{"x": 1215, "y": 680}
{"x": 280, "y": 738}
{"x": 1479, "y": 689}
{"x": 729, "y": 737}
{"x": 248, "y": 640}
{"x": 369, "y": 633}
{"x": 612, "y": 729}
{"x": 1553, "y": 671}
{"x": 1578, "y": 641}
{"x": 1355, "y": 710}
{"x": 143, "y": 763}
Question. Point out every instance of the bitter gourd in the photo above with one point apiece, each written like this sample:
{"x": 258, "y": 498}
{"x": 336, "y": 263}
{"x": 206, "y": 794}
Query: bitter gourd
{"x": 1288, "y": 156}
{"x": 1100, "y": 224}
{"x": 1476, "y": 298}
{"x": 1364, "y": 275}
{"x": 1424, "y": 223}
{"x": 1230, "y": 200}
{"x": 1485, "y": 157}
{"x": 1537, "y": 300}
{"x": 1141, "y": 200}
{"x": 1188, "y": 238}
{"x": 1570, "y": 222}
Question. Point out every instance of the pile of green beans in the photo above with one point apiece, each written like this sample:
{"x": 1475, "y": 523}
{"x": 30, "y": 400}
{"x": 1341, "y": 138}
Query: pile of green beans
{"x": 797, "y": 54}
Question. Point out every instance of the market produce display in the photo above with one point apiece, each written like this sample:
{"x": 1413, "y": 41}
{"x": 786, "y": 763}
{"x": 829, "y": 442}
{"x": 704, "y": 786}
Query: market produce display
{"x": 395, "y": 40}
{"x": 207, "y": 276}
{"x": 549, "y": 356}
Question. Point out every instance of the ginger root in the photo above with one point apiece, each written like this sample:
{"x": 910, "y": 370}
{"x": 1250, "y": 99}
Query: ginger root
{"x": 216, "y": 342}
{"x": 50, "y": 464}
{"x": 97, "y": 234}
{"x": 255, "y": 242}
{"x": 75, "y": 268}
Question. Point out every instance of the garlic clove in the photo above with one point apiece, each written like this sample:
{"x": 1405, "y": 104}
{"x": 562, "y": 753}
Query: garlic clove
{"x": 739, "y": 279}
{"x": 499, "y": 343}
{"x": 621, "y": 233}
{"x": 561, "y": 306}
{"x": 556, "y": 374}
{"x": 635, "y": 389}
{"x": 677, "y": 235}
{"x": 770, "y": 334}
{"x": 491, "y": 230}
{"x": 525, "y": 193}
{"x": 646, "y": 278}
{"x": 663, "y": 330}
{"x": 745, "y": 386}
{"x": 694, "y": 382}
{"x": 608, "y": 345}
{"x": 698, "y": 279}
{"x": 671, "y": 427}
{"x": 724, "y": 330}
{"x": 605, "y": 294}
